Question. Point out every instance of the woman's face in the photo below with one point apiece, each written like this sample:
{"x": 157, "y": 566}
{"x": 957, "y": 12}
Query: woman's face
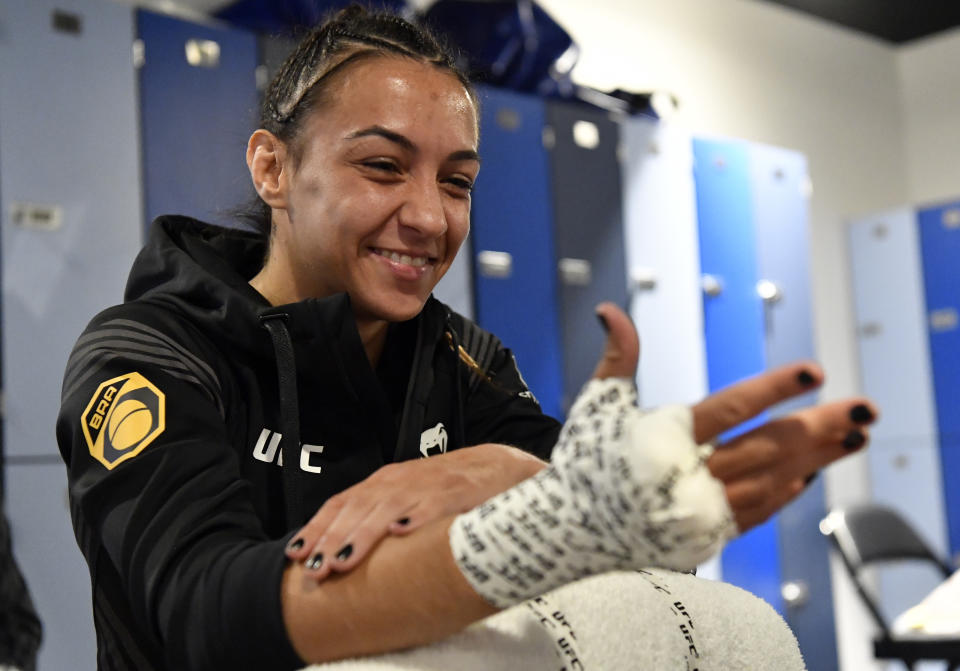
{"x": 379, "y": 201}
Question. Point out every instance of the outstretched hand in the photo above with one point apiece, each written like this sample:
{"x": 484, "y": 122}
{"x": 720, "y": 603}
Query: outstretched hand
{"x": 765, "y": 468}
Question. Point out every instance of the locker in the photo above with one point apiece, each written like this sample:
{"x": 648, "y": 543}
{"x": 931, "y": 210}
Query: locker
{"x": 940, "y": 250}
{"x": 512, "y": 240}
{"x": 895, "y": 370}
{"x": 663, "y": 262}
{"x": 588, "y": 232}
{"x": 54, "y": 569}
{"x": 199, "y": 104}
{"x": 780, "y": 188}
{"x": 69, "y": 193}
{"x": 734, "y": 323}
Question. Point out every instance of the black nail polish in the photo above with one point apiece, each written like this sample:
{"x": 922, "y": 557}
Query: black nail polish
{"x": 295, "y": 544}
{"x": 810, "y": 478}
{"x": 316, "y": 561}
{"x": 805, "y": 378}
{"x": 854, "y": 439}
{"x": 345, "y": 552}
{"x": 860, "y": 414}
{"x": 404, "y": 521}
{"x": 603, "y": 323}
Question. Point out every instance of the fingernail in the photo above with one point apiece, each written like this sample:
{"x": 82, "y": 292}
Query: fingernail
{"x": 603, "y": 323}
{"x": 805, "y": 378}
{"x": 295, "y": 544}
{"x": 861, "y": 414}
{"x": 345, "y": 552}
{"x": 316, "y": 561}
{"x": 854, "y": 440}
{"x": 404, "y": 521}
{"x": 810, "y": 478}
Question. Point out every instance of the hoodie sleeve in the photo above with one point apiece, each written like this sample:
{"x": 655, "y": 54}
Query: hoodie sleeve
{"x": 179, "y": 558}
{"x": 499, "y": 407}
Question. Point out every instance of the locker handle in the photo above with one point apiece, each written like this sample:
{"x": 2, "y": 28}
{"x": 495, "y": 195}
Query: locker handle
{"x": 712, "y": 285}
{"x": 495, "y": 264}
{"x": 769, "y": 292}
{"x": 943, "y": 320}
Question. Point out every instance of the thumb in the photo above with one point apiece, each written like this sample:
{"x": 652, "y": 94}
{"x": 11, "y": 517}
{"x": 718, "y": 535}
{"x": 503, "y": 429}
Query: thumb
{"x": 622, "y": 351}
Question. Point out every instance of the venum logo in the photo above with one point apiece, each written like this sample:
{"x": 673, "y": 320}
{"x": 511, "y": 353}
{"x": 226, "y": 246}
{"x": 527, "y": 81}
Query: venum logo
{"x": 124, "y": 416}
{"x": 435, "y": 437}
{"x": 267, "y": 450}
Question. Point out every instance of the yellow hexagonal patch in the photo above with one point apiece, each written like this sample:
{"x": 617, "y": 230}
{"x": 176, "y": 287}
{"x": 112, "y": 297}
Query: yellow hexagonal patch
{"x": 124, "y": 416}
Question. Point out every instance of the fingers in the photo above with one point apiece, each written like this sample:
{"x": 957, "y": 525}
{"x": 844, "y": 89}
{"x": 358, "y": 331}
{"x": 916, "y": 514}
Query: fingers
{"x": 737, "y": 403}
{"x": 767, "y": 467}
{"x": 622, "y": 349}
{"x": 344, "y": 531}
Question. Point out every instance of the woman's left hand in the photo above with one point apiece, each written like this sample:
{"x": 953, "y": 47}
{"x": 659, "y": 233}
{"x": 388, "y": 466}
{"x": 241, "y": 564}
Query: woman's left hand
{"x": 402, "y": 497}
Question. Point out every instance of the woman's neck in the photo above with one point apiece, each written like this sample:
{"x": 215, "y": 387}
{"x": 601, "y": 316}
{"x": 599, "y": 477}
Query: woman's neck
{"x": 373, "y": 335}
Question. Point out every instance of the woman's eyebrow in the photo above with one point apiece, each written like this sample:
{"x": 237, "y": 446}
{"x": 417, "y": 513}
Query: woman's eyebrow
{"x": 397, "y": 138}
{"x": 407, "y": 144}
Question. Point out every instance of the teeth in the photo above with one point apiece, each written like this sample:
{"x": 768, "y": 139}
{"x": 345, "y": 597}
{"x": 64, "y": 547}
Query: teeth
{"x": 415, "y": 261}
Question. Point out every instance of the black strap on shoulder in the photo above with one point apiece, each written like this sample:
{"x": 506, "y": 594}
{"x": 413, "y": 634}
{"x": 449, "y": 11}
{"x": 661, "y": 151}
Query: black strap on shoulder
{"x": 289, "y": 413}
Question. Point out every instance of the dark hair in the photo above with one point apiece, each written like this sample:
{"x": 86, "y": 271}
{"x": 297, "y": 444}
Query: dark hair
{"x": 301, "y": 84}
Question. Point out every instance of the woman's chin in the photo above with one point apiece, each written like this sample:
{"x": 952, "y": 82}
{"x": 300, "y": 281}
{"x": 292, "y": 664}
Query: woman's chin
{"x": 390, "y": 309}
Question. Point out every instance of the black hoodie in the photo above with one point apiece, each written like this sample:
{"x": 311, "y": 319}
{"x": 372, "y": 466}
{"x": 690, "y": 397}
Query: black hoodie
{"x": 183, "y": 491}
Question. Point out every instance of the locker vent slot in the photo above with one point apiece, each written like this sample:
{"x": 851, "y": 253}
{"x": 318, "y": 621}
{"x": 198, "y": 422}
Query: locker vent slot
{"x": 942, "y": 320}
{"x": 203, "y": 53}
{"x": 575, "y": 272}
{"x": 66, "y": 22}
{"x": 495, "y": 264}
{"x": 951, "y": 218}
{"x": 36, "y": 216}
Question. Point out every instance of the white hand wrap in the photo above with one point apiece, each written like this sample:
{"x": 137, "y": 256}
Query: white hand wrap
{"x": 624, "y": 490}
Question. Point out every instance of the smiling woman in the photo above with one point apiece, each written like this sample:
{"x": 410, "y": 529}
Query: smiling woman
{"x": 254, "y": 505}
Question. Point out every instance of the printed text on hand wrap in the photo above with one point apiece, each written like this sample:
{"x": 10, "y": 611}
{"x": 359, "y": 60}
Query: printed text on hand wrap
{"x": 625, "y": 489}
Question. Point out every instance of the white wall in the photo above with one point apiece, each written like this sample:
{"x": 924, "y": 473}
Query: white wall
{"x": 750, "y": 70}
{"x": 930, "y": 84}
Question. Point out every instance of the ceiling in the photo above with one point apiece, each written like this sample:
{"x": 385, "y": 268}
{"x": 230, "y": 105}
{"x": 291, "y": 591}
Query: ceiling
{"x": 894, "y": 21}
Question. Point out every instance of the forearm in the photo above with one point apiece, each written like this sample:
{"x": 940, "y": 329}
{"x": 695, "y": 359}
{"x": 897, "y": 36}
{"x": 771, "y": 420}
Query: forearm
{"x": 408, "y": 592}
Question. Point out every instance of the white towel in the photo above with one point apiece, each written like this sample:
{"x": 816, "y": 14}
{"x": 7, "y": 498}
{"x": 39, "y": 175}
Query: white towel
{"x": 651, "y": 620}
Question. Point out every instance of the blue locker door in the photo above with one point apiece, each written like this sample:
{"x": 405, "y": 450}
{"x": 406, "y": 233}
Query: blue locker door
{"x": 734, "y": 325}
{"x": 512, "y": 240}
{"x": 198, "y": 107}
{"x": 780, "y": 186}
{"x": 940, "y": 251}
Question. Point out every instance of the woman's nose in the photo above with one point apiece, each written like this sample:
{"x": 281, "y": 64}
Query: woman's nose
{"x": 422, "y": 209}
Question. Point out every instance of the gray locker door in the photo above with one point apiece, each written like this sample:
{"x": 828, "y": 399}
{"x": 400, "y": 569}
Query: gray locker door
{"x": 904, "y": 459}
{"x": 71, "y": 222}
{"x": 588, "y": 232}
{"x": 663, "y": 253}
{"x": 55, "y": 572}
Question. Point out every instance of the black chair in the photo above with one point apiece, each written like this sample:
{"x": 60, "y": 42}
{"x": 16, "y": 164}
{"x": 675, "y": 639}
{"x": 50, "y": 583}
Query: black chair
{"x": 869, "y": 534}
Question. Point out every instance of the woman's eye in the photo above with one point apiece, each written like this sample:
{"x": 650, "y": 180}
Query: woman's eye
{"x": 461, "y": 183}
{"x": 384, "y": 166}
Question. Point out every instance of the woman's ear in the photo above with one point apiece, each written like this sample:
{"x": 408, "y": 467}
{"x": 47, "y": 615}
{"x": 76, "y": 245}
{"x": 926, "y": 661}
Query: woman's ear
{"x": 266, "y": 157}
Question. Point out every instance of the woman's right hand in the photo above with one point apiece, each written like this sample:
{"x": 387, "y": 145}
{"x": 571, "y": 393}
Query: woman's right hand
{"x": 767, "y": 467}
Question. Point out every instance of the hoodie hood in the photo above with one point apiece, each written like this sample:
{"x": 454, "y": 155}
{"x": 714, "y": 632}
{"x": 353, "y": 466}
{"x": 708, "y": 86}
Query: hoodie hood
{"x": 202, "y": 271}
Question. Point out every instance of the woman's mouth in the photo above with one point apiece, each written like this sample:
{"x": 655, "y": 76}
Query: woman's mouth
{"x": 405, "y": 259}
